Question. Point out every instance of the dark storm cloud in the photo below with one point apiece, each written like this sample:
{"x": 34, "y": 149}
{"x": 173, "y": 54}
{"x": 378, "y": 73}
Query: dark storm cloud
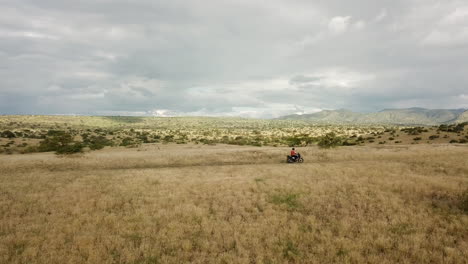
{"x": 249, "y": 58}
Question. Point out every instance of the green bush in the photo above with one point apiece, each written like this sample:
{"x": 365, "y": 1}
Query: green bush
{"x": 294, "y": 141}
{"x": 76, "y": 147}
{"x": 455, "y": 128}
{"x": 127, "y": 142}
{"x": 330, "y": 140}
{"x": 54, "y": 141}
{"x": 59, "y": 141}
{"x": 8, "y": 134}
{"x": 97, "y": 142}
{"x": 349, "y": 142}
{"x": 256, "y": 144}
{"x": 414, "y": 130}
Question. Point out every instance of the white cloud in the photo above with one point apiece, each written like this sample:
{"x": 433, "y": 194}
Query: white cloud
{"x": 162, "y": 113}
{"x": 54, "y": 88}
{"x": 229, "y": 57}
{"x": 269, "y": 110}
{"x": 91, "y": 75}
{"x": 140, "y": 86}
{"x": 338, "y": 78}
{"x": 440, "y": 38}
{"x": 381, "y": 16}
{"x": 359, "y": 25}
{"x": 459, "y": 16}
{"x": 339, "y": 24}
{"x": 27, "y": 34}
{"x": 107, "y": 55}
{"x": 85, "y": 96}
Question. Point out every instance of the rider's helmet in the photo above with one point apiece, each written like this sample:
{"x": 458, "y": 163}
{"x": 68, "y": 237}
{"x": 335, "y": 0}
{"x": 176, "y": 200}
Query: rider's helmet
{"x": 292, "y": 148}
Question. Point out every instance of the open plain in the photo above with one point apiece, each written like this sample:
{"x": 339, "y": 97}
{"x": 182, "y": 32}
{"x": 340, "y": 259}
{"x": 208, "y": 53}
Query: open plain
{"x": 192, "y": 203}
{"x": 161, "y": 132}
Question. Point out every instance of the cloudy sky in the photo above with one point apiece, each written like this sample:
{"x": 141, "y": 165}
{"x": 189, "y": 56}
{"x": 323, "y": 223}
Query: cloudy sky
{"x": 246, "y": 58}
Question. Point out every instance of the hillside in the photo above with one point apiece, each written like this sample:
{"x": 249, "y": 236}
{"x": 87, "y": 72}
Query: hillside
{"x": 408, "y": 116}
{"x": 462, "y": 117}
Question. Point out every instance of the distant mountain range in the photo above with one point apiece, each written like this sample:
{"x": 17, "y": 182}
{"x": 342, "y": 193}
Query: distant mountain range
{"x": 407, "y": 116}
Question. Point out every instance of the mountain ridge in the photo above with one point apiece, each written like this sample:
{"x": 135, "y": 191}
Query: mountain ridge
{"x": 397, "y": 116}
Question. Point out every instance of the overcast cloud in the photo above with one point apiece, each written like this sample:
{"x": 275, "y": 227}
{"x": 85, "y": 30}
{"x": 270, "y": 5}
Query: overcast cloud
{"x": 238, "y": 58}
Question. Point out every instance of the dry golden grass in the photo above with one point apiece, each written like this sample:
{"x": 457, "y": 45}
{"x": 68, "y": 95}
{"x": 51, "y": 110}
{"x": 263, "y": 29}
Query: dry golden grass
{"x": 230, "y": 204}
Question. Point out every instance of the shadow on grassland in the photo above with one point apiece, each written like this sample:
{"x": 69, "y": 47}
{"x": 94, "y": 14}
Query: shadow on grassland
{"x": 125, "y": 119}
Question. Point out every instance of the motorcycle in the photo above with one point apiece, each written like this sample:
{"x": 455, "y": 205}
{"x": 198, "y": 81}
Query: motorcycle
{"x": 291, "y": 159}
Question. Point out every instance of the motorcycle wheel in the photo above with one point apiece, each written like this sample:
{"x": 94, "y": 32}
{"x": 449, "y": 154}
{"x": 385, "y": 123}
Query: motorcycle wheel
{"x": 300, "y": 160}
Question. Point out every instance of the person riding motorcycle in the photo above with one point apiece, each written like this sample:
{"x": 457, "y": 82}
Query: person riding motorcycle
{"x": 294, "y": 154}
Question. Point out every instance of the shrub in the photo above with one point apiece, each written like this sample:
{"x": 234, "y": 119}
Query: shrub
{"x": 30, "y": 149}
{"x": 453, "y": 141}
{"x": 459, "y": 127}
{"x": 455, "y": 128}
{"x": 8, "y": 134}
{"x": 349, "y": 143}
{"x": 127, "y": 142}
{"x": 433, "y": 137}
{"x": 59, "y": 141}
{"x": 256, "y": 144}
{"x": 294, "y": 141}
{"x": 417, "y": 138}
{"x": 330, "y": 140}
{"x": 414, "y": 130}
{"x": 168, "y": 138}
{"x": 97, "y": 142}
{"x": 76, "y": 147}
{"x": 54, "y": 141}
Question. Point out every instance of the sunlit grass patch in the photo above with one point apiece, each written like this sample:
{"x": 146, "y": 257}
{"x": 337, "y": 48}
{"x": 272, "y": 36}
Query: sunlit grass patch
{"x": 286, "y": 198}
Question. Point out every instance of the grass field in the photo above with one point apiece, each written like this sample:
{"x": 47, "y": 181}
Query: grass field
{"x": 169, "y": 203}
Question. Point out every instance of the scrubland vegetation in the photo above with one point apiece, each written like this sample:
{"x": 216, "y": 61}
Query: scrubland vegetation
{"x": 202, "y": 190}
{"x": 62, "y": 134}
